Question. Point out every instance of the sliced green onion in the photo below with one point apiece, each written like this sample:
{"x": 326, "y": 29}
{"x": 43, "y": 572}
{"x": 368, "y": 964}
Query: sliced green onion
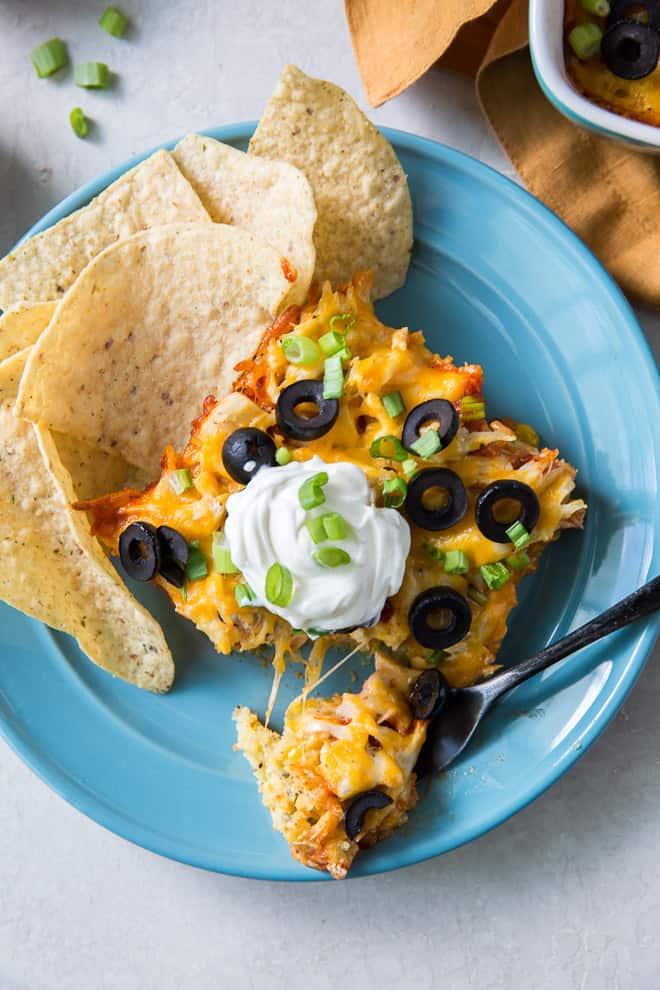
{"x": 333, "y": 377}
{"x": 456, "y": 562}
{"x": 518, "y": 561}
{"x": 334, "y": 526}
{"x": 495, "y": 575}
{"x": 316, "y": 529}
{"x": 79, "y": 122}
{"x": 435, "y": 553}
{"x": 332, "y": 557}
{"x": 427, "y": 445}
{"x": 197, "y": 566}
{"x": 244, "y": 595}
{"x": 394, "y": 492}
{"x": 394, "y": 404}
{"x": 435, "y": 656}
{"x": 472, "y": 408}
{"x": 301, "y": 351}
{"x": 180, "y": 481}
{"x": 343, "y": 320}
{"x": 389, "y": 447}
{"x": 409, "y": 467}
{"x": 184, "y": 592}
{"x": 279, "y": 585}
{"x": 221, "y": 556}
{"x": 310, "y": 493}
{"x": 49, "y": 57}
{"x": 344, "y": 354}
{"x": 585, "y": 40}
{"x": 91, "y": 75}
{"x": 599, "y": 7}
{"x": 283, "y": 456}
{"x": 527, "y": 434}
{"x": 477, "y": 596}
{"x": 113, "y": 21}
{"x": 332, "y": 342}
{"x": 518, "y": 535}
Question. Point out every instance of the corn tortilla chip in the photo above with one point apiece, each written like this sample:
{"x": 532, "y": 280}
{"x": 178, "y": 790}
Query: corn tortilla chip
{"x": 361, "y": 192}
{"x": 22, "y": 325}
{"x": 151, "y": 194}
{"x": 273, "y": 200}
{"x": 153, "y": 325}
{"x": 53, "y": 569}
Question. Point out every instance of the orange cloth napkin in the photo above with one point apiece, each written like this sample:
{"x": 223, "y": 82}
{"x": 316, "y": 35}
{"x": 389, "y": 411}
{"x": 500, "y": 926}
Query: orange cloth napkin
{"x": 610, "y": 196}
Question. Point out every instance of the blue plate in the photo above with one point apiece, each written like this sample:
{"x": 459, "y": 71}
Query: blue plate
{"x": 495, "y": 279}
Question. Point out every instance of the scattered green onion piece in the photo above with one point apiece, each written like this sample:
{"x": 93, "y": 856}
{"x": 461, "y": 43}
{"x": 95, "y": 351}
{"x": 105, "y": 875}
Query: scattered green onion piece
{"x": 344, "y": 354}
{"x": 600, "y": 8}
{"x": 518, "y": 535}
{"x": 427, "y": 445}
{"x": 477, "y": 596}
{"x": 334, "y": 525}
{"x": 113, "y": 21}
{"x": 394, "y": 404}
{"x": 381, "y": 445}
{"x": 472, "y": 408}
{"x": 244, "y": 595}
{"x": 91, "y": 75}
{"x": 312, "y": 631}
{"x": 283, "y": 456}
{"x": 435, "y": 553}
{"x": 518, "y": 561}
{"x": 49, "y": 57}
{"x": 197, "y": 566}
{"x": 435, "y": 656}
{"x": 409, "y": 467}
{"x": 394, "y": 493}
{"x": 184, "y": 592}
{"x": 585, "y": 40}
{"x": 79, "y": 122}
{"x": 316, "y": 529}
{"x": 332, "y": 342}
{"x": 279, "y": 585}
{"x": 332, "y": 557}
{"x": 221, "y": 556}
{"x": 310, "y": 493}
{"x": 180, "y": 481}
{"x": 527, "y": 434}
{"x": 301, "y": 351}
{"x": 333, "y": 377}
{"x": 495, "y": 575}
{"x": 456, "y": 562}
{"x": 345, "y": 320}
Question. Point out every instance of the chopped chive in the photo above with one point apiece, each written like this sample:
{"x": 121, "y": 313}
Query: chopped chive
{"x": 79, "y": 122}
{"x": 394, "y": 493}
{"x": 472, "y": 408}
{"x": 180, "y": 481}
{"x": 427, "y": 445}
{"x": 344, "y": 320}
{"x": 518, "y": 535}
{"x": 91, "y": 75}
{"x": 495, "y": 575}
{"x": 435, "y": 656}
{"x": 435, "y": 553}
{"x": 221, "y": 556}
{"x": 389, "y": 447}
{"x": 476, "y": 596}
{"x": 409, "y": 467}
{"x": 332, "y": 557}
{"x": 283, "y": 456}
{"x": 49, "y": 57}
{"x": 244, "y": 595}
{"x": 394, "y": 404}
{"x": 310, "y": 493}
{"x": 197, "y": 566}
{"x": 518, "y": 561}
{"x": 279, "y": 585}
{"x": 333, "y": 377}
{"x": 585, "y": 40}
{"x": 332, "y": 342}
{"x": 316, "y": 529}
{"x": 456, "y": 562}
{"x": 527, "y": 434}
{"x": 600, "y": 8}
{"x": 301, "y": 351}
{"x": 113, "y": 22}
{"x": 334, "y": 525}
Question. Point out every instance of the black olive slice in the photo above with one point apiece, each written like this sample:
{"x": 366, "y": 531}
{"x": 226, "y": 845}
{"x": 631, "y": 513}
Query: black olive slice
{"x": 630, "y": 50}
{"x": 172, "y": 572}
{"x": 245, "y": 451}
{"x": 451, "y": 512}
{"x": 621, "y": 10}
{"x": 172, "y": 545}
{"x": 438, "y": 410}
{"x": 139, "y": 551}
{"x": 498, "y": 491}
{"x": 298, "y": 427}
{"x": 439, "y": 599}
{"x": 428, "y": 694}
{"x": 359, "y": 806}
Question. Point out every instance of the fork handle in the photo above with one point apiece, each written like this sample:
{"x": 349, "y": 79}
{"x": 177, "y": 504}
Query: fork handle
{"x": 640, "y": 604}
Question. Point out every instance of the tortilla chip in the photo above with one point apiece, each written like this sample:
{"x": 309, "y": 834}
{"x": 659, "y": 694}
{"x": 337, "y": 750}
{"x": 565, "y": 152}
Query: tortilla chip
{"x": 153, "y": 325}
{"x": 22, "y": 325}
{"x": 273, "y": 200}
{"x": 361, "y": 192}
{"x": 151, "y": 194}
{"x": 53, "y": 569}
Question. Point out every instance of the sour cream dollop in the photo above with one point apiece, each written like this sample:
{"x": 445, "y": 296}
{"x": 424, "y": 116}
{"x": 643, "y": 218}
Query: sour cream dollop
{"x": 266, "y": 525}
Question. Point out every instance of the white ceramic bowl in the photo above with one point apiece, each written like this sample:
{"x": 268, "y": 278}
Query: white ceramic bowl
{"x": 546, "y": 42}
